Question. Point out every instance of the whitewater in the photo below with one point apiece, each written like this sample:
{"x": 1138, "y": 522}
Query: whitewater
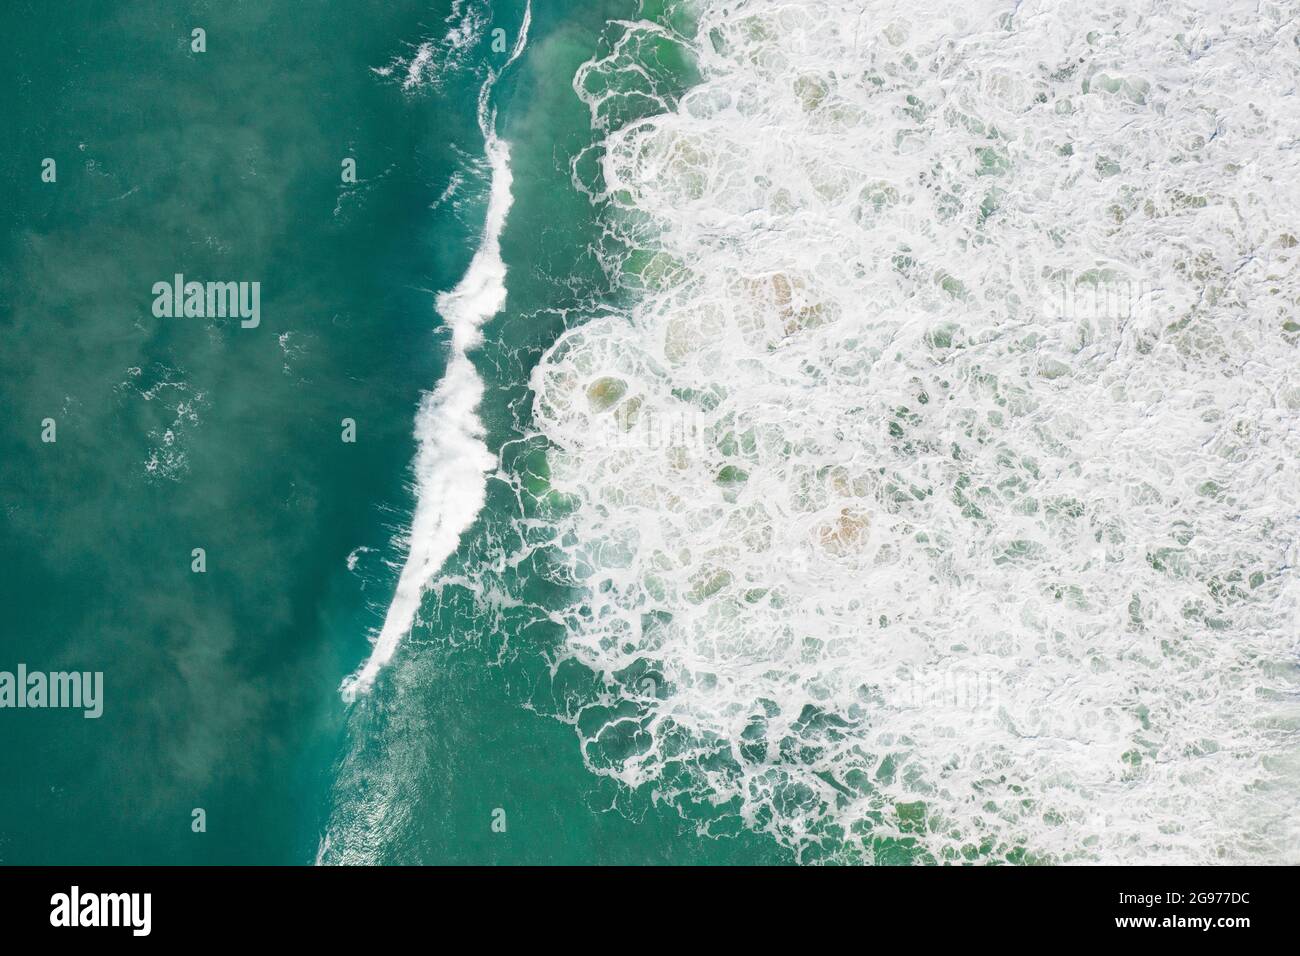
{"x": 452, "y": 460}
{"x": 939, "y": 486}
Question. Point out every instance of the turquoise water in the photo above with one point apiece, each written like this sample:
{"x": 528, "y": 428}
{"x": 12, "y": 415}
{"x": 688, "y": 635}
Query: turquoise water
{"x": 783, "y": 432}
{"x": 176, "y": 435}
{"x": 222, "y": 687}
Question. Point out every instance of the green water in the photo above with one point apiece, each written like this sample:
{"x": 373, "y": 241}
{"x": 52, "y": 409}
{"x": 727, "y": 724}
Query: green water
{"x": 176, "y": 434}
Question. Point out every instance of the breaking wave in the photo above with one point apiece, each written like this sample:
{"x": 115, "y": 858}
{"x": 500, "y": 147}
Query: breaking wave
{"x": 451, "y": 459}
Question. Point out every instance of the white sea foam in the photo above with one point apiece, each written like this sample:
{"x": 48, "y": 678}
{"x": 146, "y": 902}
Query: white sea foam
{"x": 960, "y": 552}
{"x": 433, "y": 59}
{"x": 451, "y": 459}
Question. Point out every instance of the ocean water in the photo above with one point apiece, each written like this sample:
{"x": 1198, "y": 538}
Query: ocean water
{"x": 785, "y": 431}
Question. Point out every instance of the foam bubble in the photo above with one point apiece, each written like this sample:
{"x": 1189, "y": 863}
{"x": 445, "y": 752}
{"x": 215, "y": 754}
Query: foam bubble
{"x": 944, "y": 546}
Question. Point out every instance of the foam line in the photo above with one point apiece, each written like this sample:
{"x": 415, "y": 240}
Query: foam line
{"x": 452, "y": 459}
